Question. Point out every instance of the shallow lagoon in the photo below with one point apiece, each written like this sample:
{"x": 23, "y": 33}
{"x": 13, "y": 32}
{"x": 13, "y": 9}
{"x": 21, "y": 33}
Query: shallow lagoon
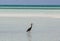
{"x": 44, "y": 28}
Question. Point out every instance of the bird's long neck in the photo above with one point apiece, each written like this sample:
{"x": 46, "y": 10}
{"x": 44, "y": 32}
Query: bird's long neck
{"x": 31, "y": 25}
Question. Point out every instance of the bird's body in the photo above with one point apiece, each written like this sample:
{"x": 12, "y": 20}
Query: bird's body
{"x": 29, "y": 29}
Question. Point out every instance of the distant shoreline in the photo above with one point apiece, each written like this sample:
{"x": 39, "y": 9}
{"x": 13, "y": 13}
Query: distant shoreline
{"x": 29, "y": 6}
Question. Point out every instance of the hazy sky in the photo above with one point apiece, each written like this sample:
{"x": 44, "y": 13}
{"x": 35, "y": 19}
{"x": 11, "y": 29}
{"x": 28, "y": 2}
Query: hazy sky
{"x": 30, "y": 2}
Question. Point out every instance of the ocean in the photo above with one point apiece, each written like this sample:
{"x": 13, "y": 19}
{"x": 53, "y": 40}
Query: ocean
{"x": 43, "y": 29}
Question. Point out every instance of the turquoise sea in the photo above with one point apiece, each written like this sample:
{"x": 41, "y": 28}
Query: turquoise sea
{"x": 29, "y": 6}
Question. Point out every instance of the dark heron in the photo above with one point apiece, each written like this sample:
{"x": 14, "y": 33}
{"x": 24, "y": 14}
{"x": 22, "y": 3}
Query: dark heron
{"x": 29, "y": 29}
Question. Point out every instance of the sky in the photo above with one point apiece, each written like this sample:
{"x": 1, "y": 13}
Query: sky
{"x": 29, "y": 2}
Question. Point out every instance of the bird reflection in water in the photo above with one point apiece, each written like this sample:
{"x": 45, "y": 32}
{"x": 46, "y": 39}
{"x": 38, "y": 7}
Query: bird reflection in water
{"x": 29, "y": 36}
{"x": 29, "y": 33}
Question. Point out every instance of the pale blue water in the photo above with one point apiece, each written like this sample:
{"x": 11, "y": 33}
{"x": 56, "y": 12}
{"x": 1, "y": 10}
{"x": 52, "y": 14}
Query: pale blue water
{"x": 44, "y": 29}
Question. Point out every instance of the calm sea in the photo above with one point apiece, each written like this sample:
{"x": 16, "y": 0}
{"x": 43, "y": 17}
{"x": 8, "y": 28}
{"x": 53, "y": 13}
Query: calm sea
{"x": 44, "y": 28}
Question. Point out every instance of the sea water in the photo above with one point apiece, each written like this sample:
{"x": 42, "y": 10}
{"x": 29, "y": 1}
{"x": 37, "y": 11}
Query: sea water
{"x": 43, "y": 29}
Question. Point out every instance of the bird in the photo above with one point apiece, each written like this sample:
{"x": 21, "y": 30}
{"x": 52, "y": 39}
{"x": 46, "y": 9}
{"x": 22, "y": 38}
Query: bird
{"x": 29, "y": 29}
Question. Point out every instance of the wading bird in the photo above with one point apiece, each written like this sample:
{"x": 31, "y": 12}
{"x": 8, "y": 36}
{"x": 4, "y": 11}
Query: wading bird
{"x": 29, "y": 29}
